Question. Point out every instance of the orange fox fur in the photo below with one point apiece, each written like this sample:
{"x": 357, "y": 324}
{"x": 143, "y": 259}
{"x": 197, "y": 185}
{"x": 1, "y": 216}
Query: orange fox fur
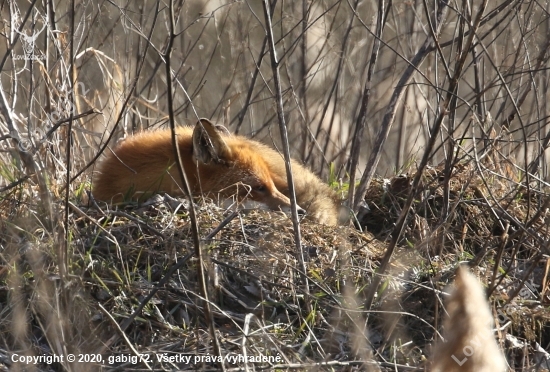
{"x": 215, "y": 163}
{"x": 470, "y": 345}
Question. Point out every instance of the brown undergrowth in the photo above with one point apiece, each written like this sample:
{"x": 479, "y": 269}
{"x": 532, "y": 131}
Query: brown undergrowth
{"x": 260, "y": 307}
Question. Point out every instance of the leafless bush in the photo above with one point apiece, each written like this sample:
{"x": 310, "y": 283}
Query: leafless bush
{"x": 368, "y": 87}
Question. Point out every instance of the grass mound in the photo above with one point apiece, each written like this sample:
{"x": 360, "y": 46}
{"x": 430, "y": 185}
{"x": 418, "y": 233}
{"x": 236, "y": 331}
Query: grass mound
{"x": 271, "y": 306}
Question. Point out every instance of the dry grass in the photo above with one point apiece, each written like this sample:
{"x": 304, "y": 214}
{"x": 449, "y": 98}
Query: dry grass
{"x": 466, "y": 93}
{"x": 258, "y": 305}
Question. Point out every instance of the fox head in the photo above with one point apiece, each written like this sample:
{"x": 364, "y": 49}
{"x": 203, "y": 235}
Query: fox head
{"x": 230, "y": 165}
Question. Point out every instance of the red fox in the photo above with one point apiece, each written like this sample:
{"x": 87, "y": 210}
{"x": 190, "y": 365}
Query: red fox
{"x": 216, "y": 163}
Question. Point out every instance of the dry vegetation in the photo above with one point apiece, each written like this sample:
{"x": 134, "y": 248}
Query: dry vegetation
{"x": 450, "y": 97}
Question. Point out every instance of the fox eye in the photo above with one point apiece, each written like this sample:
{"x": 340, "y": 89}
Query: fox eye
{"x": 260, "y": 188}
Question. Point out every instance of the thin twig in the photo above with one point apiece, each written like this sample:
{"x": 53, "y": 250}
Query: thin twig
{"x": 362, "y": 117}
{"x": 391, "y": 110}
{"x": 126, "y": 339}
{"x": 286, "y": 147}
{"x": 126, "y": 103}
{"x": 398, "y": 230}
{"x": 203, "y": 286}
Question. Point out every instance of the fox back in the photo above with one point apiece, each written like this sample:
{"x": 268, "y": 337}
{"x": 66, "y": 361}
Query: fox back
{"x": 215, "y": 163}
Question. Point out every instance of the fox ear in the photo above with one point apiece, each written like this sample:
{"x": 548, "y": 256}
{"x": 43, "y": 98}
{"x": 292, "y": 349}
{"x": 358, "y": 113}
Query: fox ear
{"x": 208, "y": 143}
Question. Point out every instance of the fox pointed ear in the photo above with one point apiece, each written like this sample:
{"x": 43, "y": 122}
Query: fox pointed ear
{"x": 208, "y": 143}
